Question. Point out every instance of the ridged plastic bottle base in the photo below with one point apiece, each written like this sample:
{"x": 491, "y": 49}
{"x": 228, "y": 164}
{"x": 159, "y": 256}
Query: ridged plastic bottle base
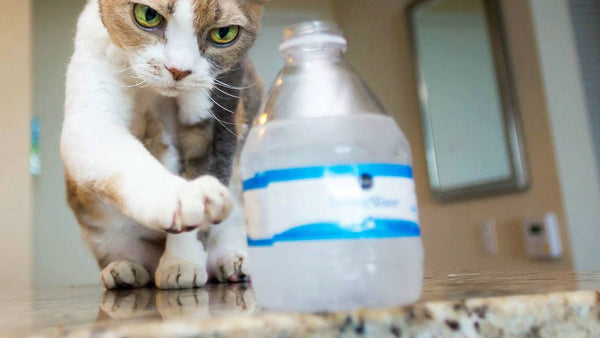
{"x": 335, "y": 275}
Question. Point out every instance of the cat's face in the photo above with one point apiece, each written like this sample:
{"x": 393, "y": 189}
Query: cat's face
{"x": 182, "y": 45}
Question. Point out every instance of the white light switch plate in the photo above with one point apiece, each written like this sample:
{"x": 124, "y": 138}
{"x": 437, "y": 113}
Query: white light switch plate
{"x": 489, "y": 237}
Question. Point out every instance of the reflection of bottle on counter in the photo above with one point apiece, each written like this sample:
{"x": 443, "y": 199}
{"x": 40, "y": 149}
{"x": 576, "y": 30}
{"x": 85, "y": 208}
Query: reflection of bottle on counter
{"x": 328, "y": 187}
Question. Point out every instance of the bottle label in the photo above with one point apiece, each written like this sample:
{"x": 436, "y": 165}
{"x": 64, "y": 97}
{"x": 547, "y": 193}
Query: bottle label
{"x": 362, "y": 201}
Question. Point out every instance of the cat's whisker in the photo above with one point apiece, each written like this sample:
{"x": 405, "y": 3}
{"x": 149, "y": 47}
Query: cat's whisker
{"x": 226, "y": 93}
{"x": 138, "y": 85}
{"x": 142, "y": 84}
{"x": 229, "y": 130}
{"x": 226, "y": 85}
{"x": 128, "y": 68}
{"x": 216, "y": 94}
{"x": 199, "y": 86}
{"x": 222, "y": 123}
{"x": 216, "y": 118}
{"x": 215, "y": 102}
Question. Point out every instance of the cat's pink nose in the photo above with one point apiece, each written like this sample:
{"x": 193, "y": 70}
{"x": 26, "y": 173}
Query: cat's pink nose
{"x": 179, "y": 75}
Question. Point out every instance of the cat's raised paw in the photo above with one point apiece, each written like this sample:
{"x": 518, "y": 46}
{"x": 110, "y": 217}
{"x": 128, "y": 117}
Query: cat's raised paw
{"x": 231, "y": 268}
{"x": 124, "y": 275}
{"x": 202, "y": 201}
{"x": 174, "y": 274}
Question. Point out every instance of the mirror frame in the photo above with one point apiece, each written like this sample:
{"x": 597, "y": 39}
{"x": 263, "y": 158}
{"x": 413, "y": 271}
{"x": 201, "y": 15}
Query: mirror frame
{"x": 519, "y": 177}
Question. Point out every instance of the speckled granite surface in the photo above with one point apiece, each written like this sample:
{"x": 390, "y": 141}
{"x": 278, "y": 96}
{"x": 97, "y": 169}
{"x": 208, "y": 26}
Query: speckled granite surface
{"x": 462, "y": 305}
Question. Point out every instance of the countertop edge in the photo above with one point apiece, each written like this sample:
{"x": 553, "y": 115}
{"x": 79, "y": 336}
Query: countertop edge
{"x": 554, "y": 314}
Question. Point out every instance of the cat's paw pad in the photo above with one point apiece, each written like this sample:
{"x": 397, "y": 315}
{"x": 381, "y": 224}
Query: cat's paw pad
{"x": 124, "y": 275}
{"x": 176, "y": 274}
{"x": 202, "y": 201}
{"x": 125, "y": 304}
{"x": 231, "y": 268}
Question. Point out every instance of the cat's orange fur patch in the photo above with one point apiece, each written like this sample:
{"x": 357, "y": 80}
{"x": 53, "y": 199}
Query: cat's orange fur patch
{"x": 118, "y": 19}
{"x": 153, "y": 137}
{"x": 205, "y": 12}
{"x": 195, "y": 139}
{"x": 108, "y": 190}
{"x": 194, "y": 142}
{"x": 82, "y": 201}
{"x": 85, "y": 199}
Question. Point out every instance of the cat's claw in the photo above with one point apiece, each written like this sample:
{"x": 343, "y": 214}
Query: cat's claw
{"x": 177, "y": 226}
{"x": 202, "y": 201}
{"x": 124, "y": 275}
{"x": 174, "y": 274}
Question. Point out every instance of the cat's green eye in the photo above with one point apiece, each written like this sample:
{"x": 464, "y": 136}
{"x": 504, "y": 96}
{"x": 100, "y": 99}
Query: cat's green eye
{"x": 224, "y": 35}
{"x": 147, "y": 17}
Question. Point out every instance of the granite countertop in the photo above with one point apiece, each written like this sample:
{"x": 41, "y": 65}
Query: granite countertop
{"x": 462, "y": 305}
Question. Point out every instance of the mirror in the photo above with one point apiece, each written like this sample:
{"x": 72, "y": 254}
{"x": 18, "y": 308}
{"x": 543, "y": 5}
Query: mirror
{"x": 469, "y": 113}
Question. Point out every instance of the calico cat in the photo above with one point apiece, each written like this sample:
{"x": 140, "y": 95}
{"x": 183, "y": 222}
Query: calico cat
{"x": 157, "y": 95}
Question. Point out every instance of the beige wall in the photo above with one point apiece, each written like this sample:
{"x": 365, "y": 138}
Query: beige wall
{"x": 278, "y": 15}
{"x": 318, "y": 9}
{"x": 61, "y": 258}
{"x": 15, "y": 112}
{"x": 379, "y": 50}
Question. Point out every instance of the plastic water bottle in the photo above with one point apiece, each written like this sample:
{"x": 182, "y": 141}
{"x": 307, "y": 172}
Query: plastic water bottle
{"x": 328, "y": 187}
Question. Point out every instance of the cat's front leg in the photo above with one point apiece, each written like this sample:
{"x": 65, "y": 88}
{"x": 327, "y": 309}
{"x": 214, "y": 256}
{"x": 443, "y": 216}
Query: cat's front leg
{"x": 228, "y": 248}
{"x": 183, "y": 264}
{"x": 103, "y": 157}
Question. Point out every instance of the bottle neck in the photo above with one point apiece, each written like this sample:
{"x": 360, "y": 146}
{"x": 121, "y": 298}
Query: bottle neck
{"x": 302, "y": 54}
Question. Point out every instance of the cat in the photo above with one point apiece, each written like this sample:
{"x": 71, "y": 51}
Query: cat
{"x": 157, "y": 96}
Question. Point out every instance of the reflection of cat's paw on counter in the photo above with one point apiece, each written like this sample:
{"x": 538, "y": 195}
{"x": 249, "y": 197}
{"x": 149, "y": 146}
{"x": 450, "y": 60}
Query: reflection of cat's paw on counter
{"x": 233, "y": 299}
{"x": 183, "y": 303}
{"x": 210, "y": 301}
{"x": 126, "y": 304}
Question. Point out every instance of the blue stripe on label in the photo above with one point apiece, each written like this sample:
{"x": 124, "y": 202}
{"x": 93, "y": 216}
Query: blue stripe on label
{"x": 370, "y": 229}
{"x": 262, "y": 180}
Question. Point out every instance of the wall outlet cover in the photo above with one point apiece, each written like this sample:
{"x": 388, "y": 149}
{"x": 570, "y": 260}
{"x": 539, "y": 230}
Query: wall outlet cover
{"x": 542, "y": 237}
